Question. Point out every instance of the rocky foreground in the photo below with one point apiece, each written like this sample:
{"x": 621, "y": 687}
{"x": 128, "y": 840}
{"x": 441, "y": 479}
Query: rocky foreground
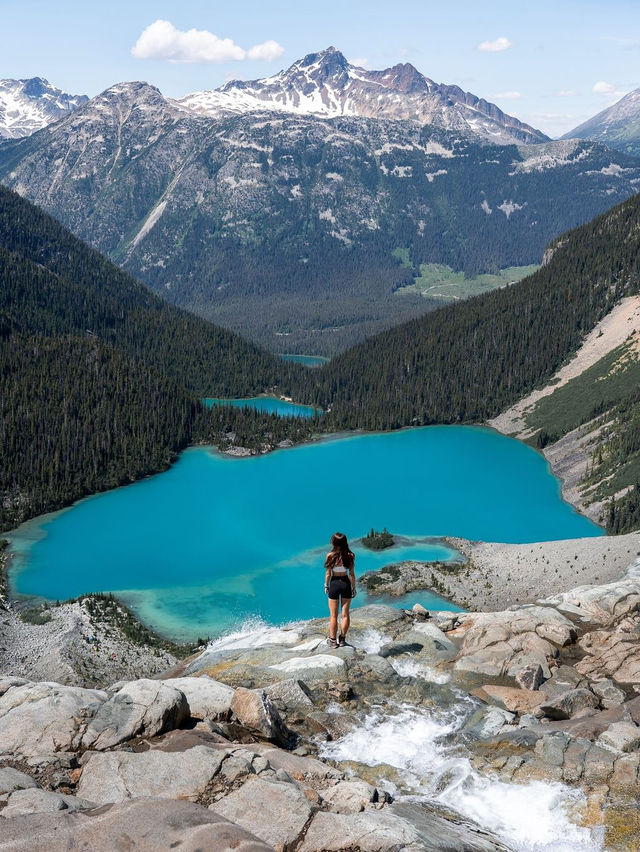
{"x": 270, "y": 740}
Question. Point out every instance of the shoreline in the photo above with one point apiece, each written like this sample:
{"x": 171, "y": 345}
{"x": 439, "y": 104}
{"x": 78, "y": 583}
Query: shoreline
{"x": 494, "y": 576}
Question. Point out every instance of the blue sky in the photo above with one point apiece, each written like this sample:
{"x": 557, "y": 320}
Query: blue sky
{"x": 552, "y": 64}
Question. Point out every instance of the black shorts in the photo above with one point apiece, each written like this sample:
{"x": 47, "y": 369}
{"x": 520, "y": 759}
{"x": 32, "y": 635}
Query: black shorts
{"x": 340, "y": 587}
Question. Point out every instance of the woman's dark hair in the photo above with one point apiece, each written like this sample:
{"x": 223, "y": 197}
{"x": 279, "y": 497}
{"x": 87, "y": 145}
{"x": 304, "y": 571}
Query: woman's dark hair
{"x": 340, "y": 552}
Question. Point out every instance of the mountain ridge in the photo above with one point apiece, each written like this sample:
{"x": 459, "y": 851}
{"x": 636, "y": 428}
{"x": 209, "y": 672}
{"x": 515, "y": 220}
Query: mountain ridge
{"x": 617, "y": 126}
{"x": 30, "y": 104}
{"x": 326, "y": 84}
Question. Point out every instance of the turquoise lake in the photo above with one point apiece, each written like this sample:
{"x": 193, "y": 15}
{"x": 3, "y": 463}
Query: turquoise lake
{"x": 267, "y": 404}
{"x": 215, "y": 541}
{"x": 305, "y": 360}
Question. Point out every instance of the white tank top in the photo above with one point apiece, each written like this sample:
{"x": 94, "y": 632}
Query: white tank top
{"x": 339, "y": 571}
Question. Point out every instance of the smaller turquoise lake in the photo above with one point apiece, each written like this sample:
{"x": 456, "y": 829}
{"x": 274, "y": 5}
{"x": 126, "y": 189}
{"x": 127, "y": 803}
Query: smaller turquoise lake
{"x": 267, "y": 404}
{"x": 305, "y": 360}
{"x": 215, "y": 541}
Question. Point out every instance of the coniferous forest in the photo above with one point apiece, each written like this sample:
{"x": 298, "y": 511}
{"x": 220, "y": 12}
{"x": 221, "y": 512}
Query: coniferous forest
{"x": 101, "y": 380}
{"x": 467, "y": 362}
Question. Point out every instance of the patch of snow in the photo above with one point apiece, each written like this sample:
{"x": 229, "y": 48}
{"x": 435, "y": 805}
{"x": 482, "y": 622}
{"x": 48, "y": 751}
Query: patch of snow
{"x": 509, "y": 207}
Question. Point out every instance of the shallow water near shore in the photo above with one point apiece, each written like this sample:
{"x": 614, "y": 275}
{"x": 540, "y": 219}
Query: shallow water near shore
{"x": 266, "y": 404}
{"x": 305, "y": 360}
{"x": 214, "y": 540}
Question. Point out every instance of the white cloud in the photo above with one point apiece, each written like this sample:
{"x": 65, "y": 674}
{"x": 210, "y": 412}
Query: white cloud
{"x": 268, "y": 50}
{"x": 359, "y": 62}
{"x": 509, "y": 96}
{"x": 161, "y": 40}
{"x": 566, "y": 93}
{"x": 607, "y": 89}
{"x": 602, "y": 88}
{"x": 498, "y": 44}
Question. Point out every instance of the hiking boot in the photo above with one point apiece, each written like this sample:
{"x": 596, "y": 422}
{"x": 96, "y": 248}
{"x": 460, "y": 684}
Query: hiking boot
{"x": 331, "y": 642}
{"x": 341, "y": 641}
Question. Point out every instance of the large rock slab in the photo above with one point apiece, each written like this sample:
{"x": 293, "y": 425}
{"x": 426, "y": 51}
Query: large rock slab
{"x": 308, "y": 770}
{"x": 623, "y": 736}
{"x": 314, "y": 667}
{"x": 143, "y": 825}
{"x": 275, "y": 811}
{"x": 511, "y": 699}
{"x": 36, "y": 801}
{"x": 566, "y": 705}
{"x": 115, "y": 776}
{"x": 290, "y": 694}
{"x": 207, "y": 698}
{"x": 41, "y": 718}
{"x": 407, "y": 827}
{"x": 256, "y": 712}
{"x": 350, "y": 797}
{"x": 11, "y": 779}
{"x": 140, "y": 708}
{"x": 501, "y": 646}
{"x": 612, "y": 654}
{"x": 8, "y": 682}
{"x": 370, "y": 831}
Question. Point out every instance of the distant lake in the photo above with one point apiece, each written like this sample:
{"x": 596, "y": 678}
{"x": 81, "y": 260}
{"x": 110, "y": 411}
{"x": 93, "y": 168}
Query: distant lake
{"x": 268, "y": 404}
{"x": 215, "y": 540}
{"x": 306, "y": 360}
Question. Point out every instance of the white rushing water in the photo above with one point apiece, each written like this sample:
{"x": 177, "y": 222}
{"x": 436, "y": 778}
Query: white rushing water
{"x": 407, "y": 666}
{"x": 531, "y": 817}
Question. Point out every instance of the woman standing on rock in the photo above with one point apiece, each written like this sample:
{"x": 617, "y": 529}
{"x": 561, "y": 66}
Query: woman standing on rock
{"x": 340, "y": 586}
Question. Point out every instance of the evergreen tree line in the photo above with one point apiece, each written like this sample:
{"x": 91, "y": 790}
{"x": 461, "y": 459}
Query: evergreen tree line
{"x": 51, "y": 283}
{"x": 99, "y": 379}
{"x": 467, "y": 362}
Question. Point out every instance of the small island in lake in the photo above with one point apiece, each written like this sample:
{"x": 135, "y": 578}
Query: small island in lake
{"x": 375, "y": 540}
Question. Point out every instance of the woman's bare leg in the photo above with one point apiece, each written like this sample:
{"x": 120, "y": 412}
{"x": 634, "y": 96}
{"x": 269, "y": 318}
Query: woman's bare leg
{"x": 333, "y": 618}
{"x": 346, "y": 620}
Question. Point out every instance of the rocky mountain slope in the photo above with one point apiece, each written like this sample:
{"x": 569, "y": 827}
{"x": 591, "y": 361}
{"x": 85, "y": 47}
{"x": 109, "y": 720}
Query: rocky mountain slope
{"x": 29, "y": 105}
{"x": 287, "y": 226}
{"x": 618, "y": 126}
{"x": 326, "y": 84}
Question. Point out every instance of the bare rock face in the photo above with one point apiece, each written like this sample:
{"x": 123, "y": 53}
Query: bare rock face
{"x": 140, "y": 824}
{"x": 290, "y": 693}
{"x": 508, "y": 698}
{"x": 609, "y": 693}
{"x": 142, "y": 707}
{"x": 41, "y": 718}
{"x": 276, "y": 812}
{"x": 256, "y": 711}
{"x": 350, "y": 797}
{"x": 116, "y": 776}
{"x": 569, "y": 703}
{"x": 530, "y": 677}
{"x": 623, "y": 736}
{"x": 505, "y": 646}
{"x": 34, "y": 801}
{"x": 207, "y": 698}
{"x": 11, "y": 779}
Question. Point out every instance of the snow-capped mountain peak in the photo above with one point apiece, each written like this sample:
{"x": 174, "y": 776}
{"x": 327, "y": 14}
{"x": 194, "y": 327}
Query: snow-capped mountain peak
{"x": 617, "y": 126}
{"x": 328, "y": 85}
{"x": 30, "y": 104}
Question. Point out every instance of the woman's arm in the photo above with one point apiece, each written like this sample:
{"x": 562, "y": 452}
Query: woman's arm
{"x": 352, "y": 577}
{"x": 327, "y": 577}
